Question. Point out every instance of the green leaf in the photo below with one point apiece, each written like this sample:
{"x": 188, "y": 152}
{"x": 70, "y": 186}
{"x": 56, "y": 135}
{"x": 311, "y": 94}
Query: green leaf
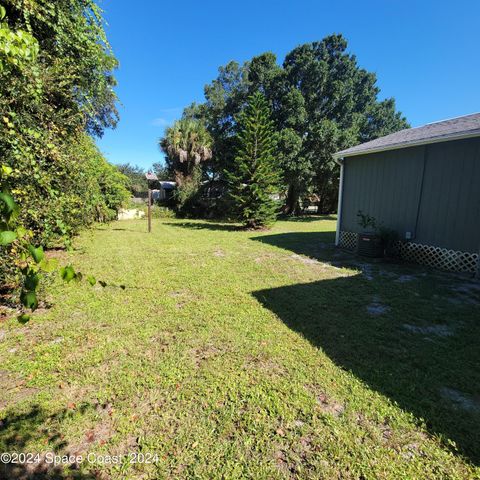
{"x": 91, "y": 280}
{"x": 9, "y": 202}
{"x": 6, "y": 170}
{"x": 31, "y": 281}
{"x": 29, "y": 300}
{"x": 37, "y": 253}
{"x": 3, "y": 12}
{"x": 21, "y": 231}
{"x": 7, "y": 236}
{"x": 23, "y": 318}
{"x": 67, "y": 273}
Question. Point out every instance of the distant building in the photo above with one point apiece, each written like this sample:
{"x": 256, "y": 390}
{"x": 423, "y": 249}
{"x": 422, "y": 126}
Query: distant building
{"x": 165, "y": 191}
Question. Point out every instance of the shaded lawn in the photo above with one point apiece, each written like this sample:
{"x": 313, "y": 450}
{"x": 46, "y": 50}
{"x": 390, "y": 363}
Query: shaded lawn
{"x": 237, "y": 354}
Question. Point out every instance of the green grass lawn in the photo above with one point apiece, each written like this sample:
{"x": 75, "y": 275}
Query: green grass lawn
{"x": 234, "y": 354}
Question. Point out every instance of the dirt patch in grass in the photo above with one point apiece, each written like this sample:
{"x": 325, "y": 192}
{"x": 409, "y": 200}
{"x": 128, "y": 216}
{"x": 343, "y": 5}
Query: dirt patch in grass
{"x": 99, "y": 433}
{"x": 305, "y": 260}
{"x": 376, "y": 307}
{"x": 435, "y": 330}
{"x": 14, "y": 389}
{"x": 265, "y": 364}
{"x": 466, "y": 294}
{"x": 204, "y": 353}
{"x": 366, "y": 269}
{"x": 461, "y": 400}
{"x": 326, "y": 403}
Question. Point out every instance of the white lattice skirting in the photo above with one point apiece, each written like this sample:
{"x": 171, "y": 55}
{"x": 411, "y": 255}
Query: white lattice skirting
{"x": 348, "y": 240}
{"x": 441, "y": 258}
{"x": 437, "y": 257}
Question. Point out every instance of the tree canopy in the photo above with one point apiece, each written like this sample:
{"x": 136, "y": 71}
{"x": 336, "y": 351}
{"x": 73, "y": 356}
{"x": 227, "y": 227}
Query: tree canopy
{"x": 322, "y": 101}
{"x": 186, "y": 144}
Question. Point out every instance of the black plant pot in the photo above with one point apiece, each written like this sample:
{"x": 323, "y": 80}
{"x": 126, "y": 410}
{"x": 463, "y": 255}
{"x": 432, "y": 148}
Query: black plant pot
{"x": 370, "y": 245}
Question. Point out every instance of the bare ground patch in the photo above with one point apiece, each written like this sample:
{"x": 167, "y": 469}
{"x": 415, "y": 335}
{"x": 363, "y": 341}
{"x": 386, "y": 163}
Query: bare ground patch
{"x": 467, "y": 293}
{"x": 265, "y": 364}
{"x": 326, "y": 403}
{"x": 460, "y": 400}
{"x": 376, "y": 307}
{"x": 14, "y": 389}
{"x": 204, "y": 353}
{"x": 429, "y": 330}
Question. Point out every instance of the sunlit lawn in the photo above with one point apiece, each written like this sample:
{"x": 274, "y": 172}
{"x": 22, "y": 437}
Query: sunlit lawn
{"x": 234, "y": 354}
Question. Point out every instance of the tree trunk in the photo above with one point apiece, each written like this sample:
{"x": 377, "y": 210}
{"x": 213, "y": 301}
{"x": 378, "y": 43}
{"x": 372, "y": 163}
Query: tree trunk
{"x": 179, "y": 179}
{"x": 292, "y": 206}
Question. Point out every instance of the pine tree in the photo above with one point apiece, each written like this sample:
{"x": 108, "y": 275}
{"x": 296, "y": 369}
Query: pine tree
{"x": 254, "y": 179}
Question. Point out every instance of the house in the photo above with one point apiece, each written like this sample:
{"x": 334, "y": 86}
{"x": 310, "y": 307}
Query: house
{"x": 164, "y": 192}
{"x": 422, "y": 182}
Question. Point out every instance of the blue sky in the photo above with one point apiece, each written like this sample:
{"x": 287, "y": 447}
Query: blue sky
{"x": 426, "y": 54}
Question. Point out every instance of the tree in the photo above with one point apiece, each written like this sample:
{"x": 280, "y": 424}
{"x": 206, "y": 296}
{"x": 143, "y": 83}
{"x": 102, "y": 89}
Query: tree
{"x": 321, "y": 100}
{"x": 342, "y": 109}
{"x": 161, "y": 171}
{"x": 254, "y": 177}
{"x": 137, "y": 181}
{"x": 186, "y": 144}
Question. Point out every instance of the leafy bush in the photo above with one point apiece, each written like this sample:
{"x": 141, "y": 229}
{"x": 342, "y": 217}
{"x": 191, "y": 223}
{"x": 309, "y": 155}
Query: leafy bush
{"x": 55, "y": 91}
{"x": 158, "y": 211}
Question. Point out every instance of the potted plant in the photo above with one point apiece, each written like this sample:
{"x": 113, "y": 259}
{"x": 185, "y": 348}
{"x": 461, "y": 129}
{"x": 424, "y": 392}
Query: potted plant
{"x": 369, "y": 242}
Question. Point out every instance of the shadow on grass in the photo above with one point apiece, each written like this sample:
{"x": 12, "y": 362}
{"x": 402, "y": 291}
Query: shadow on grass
{"x": 396, "y": 347}
{"x": 306, "y": 218}
{"x": 17, "y": 430}
{"x": 319, "y": 245}
{"x": 225, "y": 227}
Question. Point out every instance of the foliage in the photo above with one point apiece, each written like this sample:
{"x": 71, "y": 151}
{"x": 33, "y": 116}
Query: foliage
{"x": 387, "y": 235}
{"x": 254, "y": 177}
{"x": 158, "y": 211}
{"x": 187, "y": 196}
{"x": 28, "y": 259}
{"x": 16, "y": 46}
{"x": 389, "y": 238}
{"x": 162, "y": 171}
{"x": 322, "y": 101}
{"x": 186, "y": 144}
{"x": 56, "y": 89}
{"x": 138, "y": 184}
{"x": 366, "y": 221}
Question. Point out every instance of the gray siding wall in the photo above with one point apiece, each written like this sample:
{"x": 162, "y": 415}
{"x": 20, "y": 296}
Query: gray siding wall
{"x": 432, "y": 191}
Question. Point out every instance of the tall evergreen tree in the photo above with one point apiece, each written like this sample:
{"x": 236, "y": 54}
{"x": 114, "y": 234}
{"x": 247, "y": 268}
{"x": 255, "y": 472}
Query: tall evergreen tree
{"x": 322, "y": 101}
{"x": 255, "y": 176}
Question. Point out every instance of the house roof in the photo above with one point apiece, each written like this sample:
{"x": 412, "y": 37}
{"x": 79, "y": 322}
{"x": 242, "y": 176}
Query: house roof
{"x": 452, "y": 129}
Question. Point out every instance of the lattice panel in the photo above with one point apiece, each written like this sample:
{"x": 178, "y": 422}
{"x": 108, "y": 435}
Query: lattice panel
{"x": 348, "y": 240}
{"x": 437, "y": 257}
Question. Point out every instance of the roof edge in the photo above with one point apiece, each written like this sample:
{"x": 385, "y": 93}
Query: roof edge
{"x": 398, "y": 146}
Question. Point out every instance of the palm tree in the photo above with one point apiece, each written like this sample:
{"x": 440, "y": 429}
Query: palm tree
{"x": 186, "y": 143}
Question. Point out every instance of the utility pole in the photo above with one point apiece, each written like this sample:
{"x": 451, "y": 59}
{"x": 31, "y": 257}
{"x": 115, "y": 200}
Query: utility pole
{"x": 151, "y": 177}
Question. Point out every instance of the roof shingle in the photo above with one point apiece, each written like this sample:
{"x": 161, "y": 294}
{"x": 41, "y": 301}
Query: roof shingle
{"x": 466, "y": 126}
